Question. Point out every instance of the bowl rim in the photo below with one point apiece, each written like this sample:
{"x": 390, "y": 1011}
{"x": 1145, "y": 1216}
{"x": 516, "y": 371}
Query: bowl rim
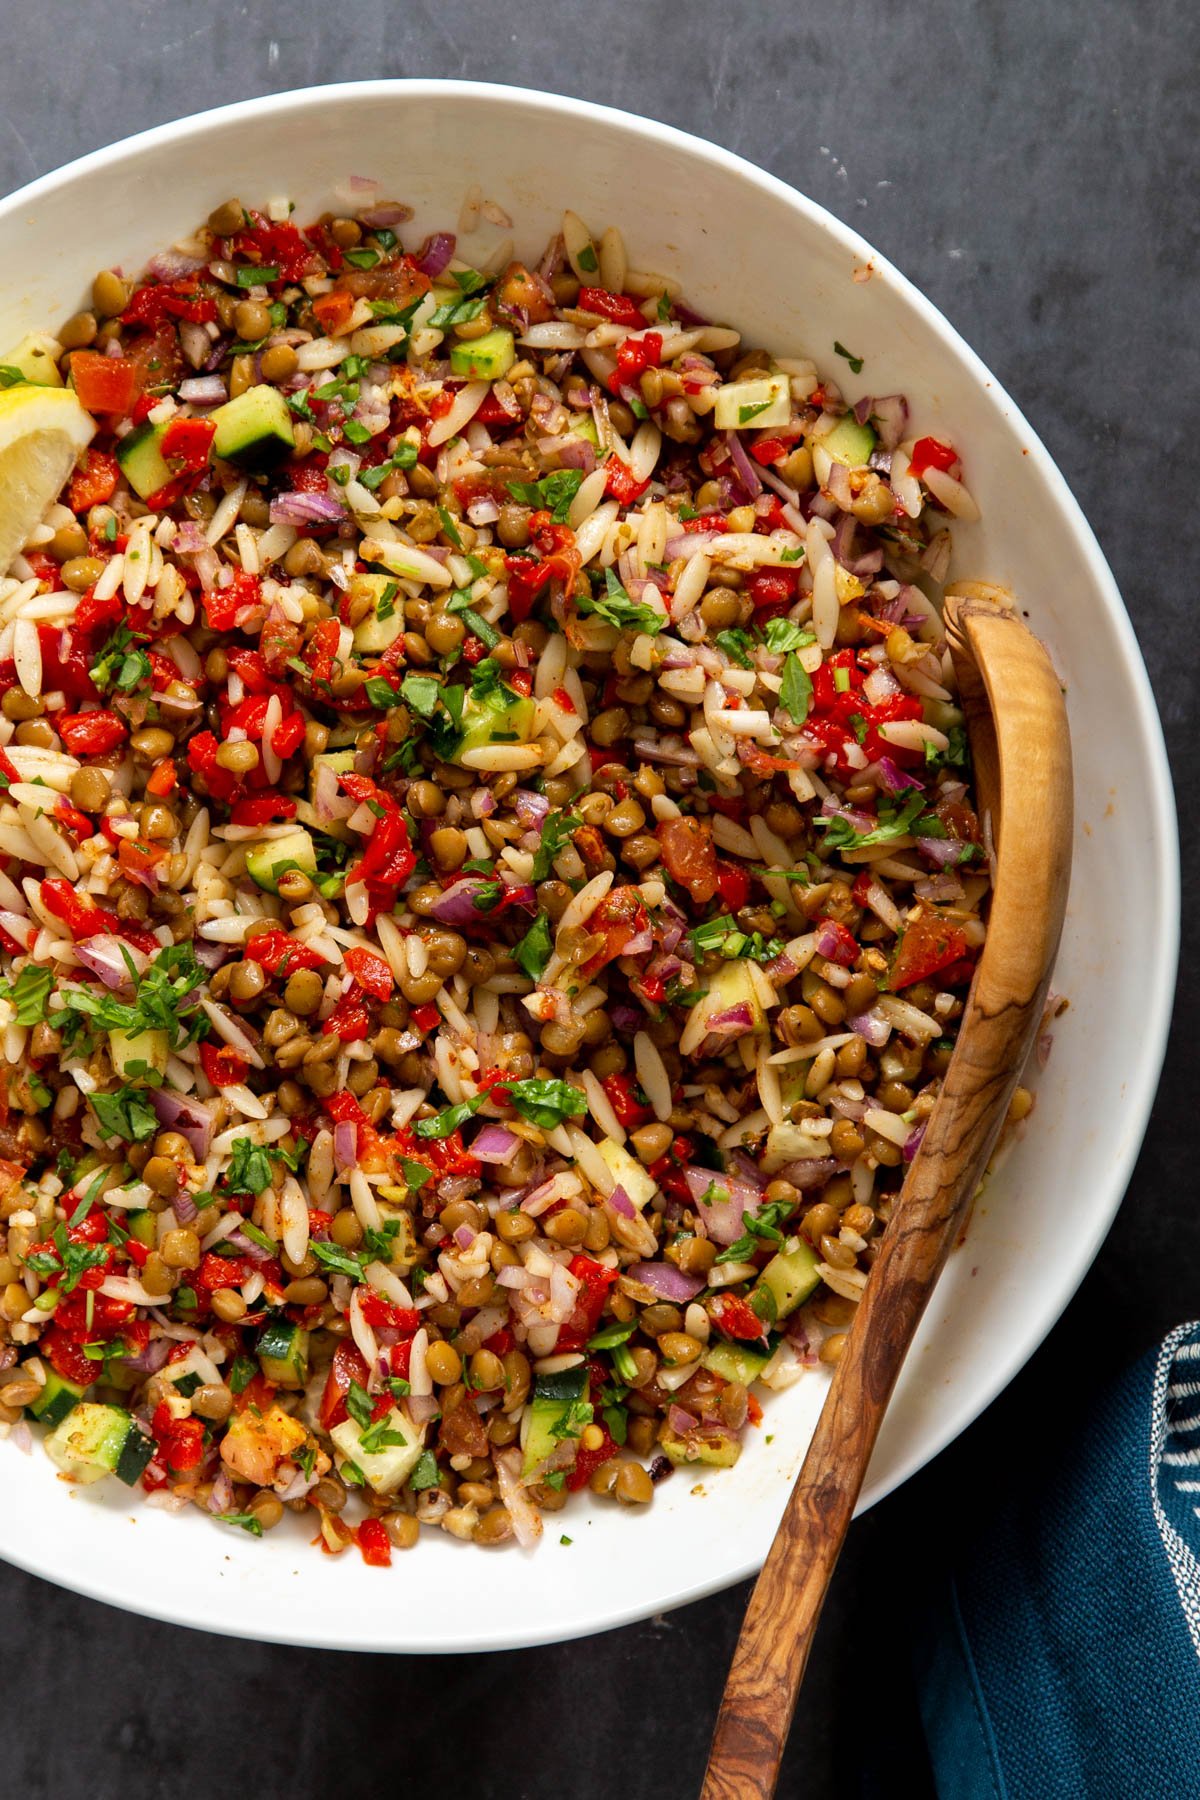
{"x": 1160, "y": 976}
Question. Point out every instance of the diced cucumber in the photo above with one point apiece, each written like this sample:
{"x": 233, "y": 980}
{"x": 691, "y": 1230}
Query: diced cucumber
{"x": 555, "y": 1398}
{"x": 790, "y": 1276}
{"x": 94, "y": 1441}
{"x": 36, "y": 356}
{"x": 142, "y": 462}
{"x": 387, "y": 1469}
{"x": 254, "y": 429}
{"x": 133, "y": 1053}
{"x": 753, "y": 404}
{"x": 628, "y": 1173}
{"x": 266, "y": 862}
{"x": 56, "y": 1399}
{"x": 485, "y": 358}
{"x": 374, "y": 634}
{"x": 283, "y": 1353}
{"x": 482, "y": 725}
{"x": 143, "y": 1225}
{"x": 718, "y": 1452}
{"x": 848, "y": 442}
{"x": 736, "y": 1362}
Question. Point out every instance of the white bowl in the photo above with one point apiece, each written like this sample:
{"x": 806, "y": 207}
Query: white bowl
{"x": 752, "y": 251}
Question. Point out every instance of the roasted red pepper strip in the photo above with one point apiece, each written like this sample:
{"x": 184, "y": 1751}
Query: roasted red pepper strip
{"x": 262, "y": 809}
{"x": 617, "y": 307}
{"x": 350, "y": 1019}
{"x": 106, "y": 384}
{"x": 222, "y": 1065}
{"x": 281, "y": 955}
{"x": 371, "y": 972}
{"x": 223, "y": 605}
{"x": 91, "y": 733}
{"x": 622, "y": 1095}
{"x": 82, "y": 918}
{"x": 348, "y": 1365}
{"x": 388, "y": 859}
{"x": 931, "y": 453}
{"x": 374, "y": 1543}
{"x": 94, "y": 482}
{"x": 595, "y": 1281}
{"x": 188, "y": 441}
{"x": 180, "y": 1441}
{"x": 929, "y": 945}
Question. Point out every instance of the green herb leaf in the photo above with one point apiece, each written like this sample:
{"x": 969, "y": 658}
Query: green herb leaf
{"x": 342, "y": 1262}
{"x": 425, "y": 1474}
{"x": 556, "y": 835}
{"x": 249, "y": 1171}
{"x": 736, "y": 644}
{"x": 415, "y": 1173}
{"x": 554, "y": 492}
{"x": 29, "y": 993}
{"x": 246, "y": 1521}
{"x": 616, "y": 608}
{"x": 609, "y": 1336}
{"x": 422, "y": 693}
{"x": 795, "y": 695}
{"x": 443, "y": 1123}
{"x": 242, "y": 1373}
{"x": 782, "y": 635}
{"x": 856, "y": 362}
{"x": 535, "y": 948}
{"x": 546, "y": 1103}
{"x": 125, "y": 1114}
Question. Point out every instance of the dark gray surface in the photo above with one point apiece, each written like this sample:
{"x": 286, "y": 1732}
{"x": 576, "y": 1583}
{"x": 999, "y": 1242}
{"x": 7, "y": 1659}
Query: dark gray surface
{"x": 1033, "y": 169}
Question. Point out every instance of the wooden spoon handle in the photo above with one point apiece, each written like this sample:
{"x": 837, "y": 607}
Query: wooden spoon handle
{"x": 1001, "y": 663}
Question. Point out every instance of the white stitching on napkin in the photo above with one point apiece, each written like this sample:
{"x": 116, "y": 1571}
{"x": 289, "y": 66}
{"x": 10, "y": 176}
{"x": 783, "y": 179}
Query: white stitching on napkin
{"x": 1185, "y": 1568}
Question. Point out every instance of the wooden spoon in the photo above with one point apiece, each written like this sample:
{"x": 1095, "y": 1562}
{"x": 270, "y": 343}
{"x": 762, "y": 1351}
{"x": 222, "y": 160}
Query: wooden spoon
{"x": 1021, "y": 748}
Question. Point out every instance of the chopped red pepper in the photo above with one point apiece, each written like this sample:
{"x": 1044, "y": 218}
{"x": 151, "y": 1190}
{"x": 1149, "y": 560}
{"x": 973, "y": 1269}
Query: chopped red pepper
{"x": 222, "y": 606}
{"x": 91, "y": 733}
{"x": 374, "y": 1543}
{"x": 737, "y": 1318}
{"x": 180, "y": 1441}
{"x": 348, "y": 1365}
{"x": 222, "y": 1272}
{"x": 619, "y": 919}
{"x": 262, "y": 809}
{"x": 733, "y": 884}
{"x": 772, "y": 591}
{"x": 635, "y": 356}
{"x": 222, "y": 1065}
{"x": 371, "y": 972}
{"x": 388, "y": 859}
{"x": 350, "y": 1019}
{"x": 929, "y": 945}
{"x": 82, "y": 918}
{"x": 622, "y": 1091}
{"x": 622, "y": 483}
{"x": 188, "y": 441}
{"x": 281, "y": 954}
{"x": 105, "y": 384}
{"x": 842, "y": 944}
{"x": 151, "y": 306}
{"x": 94, "y": 482}
{"x": 595, "y": 1281}
{"x": 617, "y": 307}
{"x": 163, "y": 779}
{"x": 67, "y": 1356}
{"x": 588, "y": 1461}
{"x": 931, "y": 453}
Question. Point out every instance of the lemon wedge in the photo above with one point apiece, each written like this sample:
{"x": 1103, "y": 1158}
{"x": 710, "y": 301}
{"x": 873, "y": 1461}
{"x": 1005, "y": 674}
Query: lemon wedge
{"x": 42, "y": 431}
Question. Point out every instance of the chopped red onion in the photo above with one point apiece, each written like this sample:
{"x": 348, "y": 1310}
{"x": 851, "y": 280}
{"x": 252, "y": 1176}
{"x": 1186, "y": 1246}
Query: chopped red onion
{"x": 872, "y": 1030}
{"x": 747, "y": 473}
{"x": 483, "y": 511}
{"x": 894, "y": 778}
{"x": 862, "y": 409}
{"x": 810, "y": 1171}
{"x": 150, "y": 1360}
{"x": 681, "y": 1421}
{"x": 575, "y": 453}
{"x": 203, "y": 390}
{"x": 829, "y": 943}
{"x": 943, "y": 853}
{"x": 837, "y": 485}
{"x": 457, "y": 905}
{"x": 169, "y": 265}
{"x": 912, "y": 1142}
{"x": 621, "y": 1203}
{"x": 689, "y": 544}
{"x": 495, "y": 1144}
{"x": 529, "y": 807}
{"x": 306, "y": 509}
{"x": 625, "y": 1018}
{"x": 179, "y": 1112}
{"x": 721, "y": 1220}
{"x": 435, "y": 253}
{"x": 189, "y": 539}
{"x": 667, "y": 1281}
{"x": 385, "y": 214}
{"x": 891, "y": 418}
{"x": 246, "y": 1247}
{"x": 104, "y": 955}
{"x": 345, "y": 1145}
{"x": 184, "y": 1207}
{"x": 464, "y": 1237}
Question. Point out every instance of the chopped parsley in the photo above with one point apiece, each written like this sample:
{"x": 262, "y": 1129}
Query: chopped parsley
{"x": 421, "y": 692}
{"x": 534, "y": 950}
{"x": 556, "y": 835}
{"x": 546, "y": 1103}
{"x": 122, "y": 665}
{"x": 126, "y": 1114}
{"x": 782, "y": 635}
{"x": 249, "y": 1171}
{"x": 892, "y": 823}
{"x": 736, "y": 643}
{"x": 616, "y": 607}
{"x": 759, "y": 1228}
{"x": 246, "y": 1521}
{"x": 425, "y": 1474}
{"x": 443, "y": 1123}
{"x": 29, "y": 993}
{"x": 242, "y": 1373}
{"x": 67, "y": 1262}
{"x": 415, "y": 1173}
{"x": 164, "y": 1000}
{"x": 795, "y": 694}
{"x": 856, "y": 362}
{"x": 553, "y": 492}
{"x": 342, "y": 1262}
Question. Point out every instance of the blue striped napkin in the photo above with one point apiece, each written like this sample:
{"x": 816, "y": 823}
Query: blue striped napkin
{"x": 1062, "y": 1659}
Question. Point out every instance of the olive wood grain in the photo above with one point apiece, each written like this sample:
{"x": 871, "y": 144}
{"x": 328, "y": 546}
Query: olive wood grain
{"x": 1021, "y": 750}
